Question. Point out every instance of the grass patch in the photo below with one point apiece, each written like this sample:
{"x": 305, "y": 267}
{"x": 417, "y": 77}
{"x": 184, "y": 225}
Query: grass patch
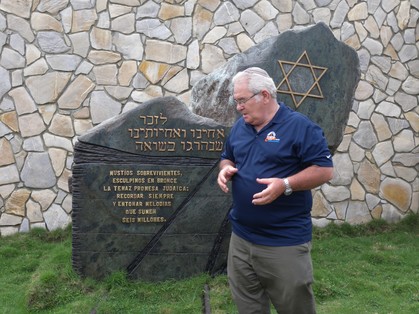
{"x": 371, "y": 268}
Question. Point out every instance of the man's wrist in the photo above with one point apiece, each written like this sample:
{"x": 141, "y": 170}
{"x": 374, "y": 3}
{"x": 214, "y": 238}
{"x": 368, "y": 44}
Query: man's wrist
{"x": 288, "y": 188}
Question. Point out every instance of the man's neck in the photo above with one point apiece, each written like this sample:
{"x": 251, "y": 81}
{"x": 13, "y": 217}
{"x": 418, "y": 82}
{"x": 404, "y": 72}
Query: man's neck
{"x": 269, "y": 116}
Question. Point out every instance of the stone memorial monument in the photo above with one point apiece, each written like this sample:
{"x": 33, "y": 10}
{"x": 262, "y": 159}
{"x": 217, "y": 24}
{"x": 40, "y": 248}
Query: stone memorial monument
{"x": 145, "y": 197}
{"x": 315, "y": 74}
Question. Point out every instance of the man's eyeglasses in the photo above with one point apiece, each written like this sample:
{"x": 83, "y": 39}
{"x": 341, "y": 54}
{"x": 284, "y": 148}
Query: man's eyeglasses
{"x": 245, "y": 100}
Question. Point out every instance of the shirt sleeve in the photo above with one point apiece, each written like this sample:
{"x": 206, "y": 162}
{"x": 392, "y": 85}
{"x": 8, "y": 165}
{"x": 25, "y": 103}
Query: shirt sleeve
{"x": 227, "y": 152}
{"x": 314, "y": 148}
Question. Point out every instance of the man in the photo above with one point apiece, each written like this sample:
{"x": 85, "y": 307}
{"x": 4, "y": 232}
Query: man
{"x": 274, "y": 156}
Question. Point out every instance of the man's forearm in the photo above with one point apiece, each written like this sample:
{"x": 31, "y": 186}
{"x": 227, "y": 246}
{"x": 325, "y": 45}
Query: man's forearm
{"x": 310, "y": 178}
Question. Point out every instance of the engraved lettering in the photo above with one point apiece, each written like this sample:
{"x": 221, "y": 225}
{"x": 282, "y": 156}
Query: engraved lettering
{"x": 163, "y": 118}
{"x": 220, "y": 133}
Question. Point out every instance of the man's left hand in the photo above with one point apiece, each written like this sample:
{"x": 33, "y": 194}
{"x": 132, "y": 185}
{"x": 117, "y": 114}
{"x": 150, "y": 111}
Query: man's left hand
{"x": 275, "y": 188}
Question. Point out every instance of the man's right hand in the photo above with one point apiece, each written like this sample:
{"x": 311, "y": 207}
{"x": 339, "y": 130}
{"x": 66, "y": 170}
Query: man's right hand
{"x": 225, "y": 175}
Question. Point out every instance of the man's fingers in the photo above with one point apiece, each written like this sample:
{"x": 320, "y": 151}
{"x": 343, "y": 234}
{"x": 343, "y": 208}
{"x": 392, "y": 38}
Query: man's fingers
{"x": 229, "y": 172}
{"x": 263, "y": 181}
{"x": 261, "y": 200}
{"x": 224, "y": 176}
{"x": 222, "y": 183}
{"x": 269, "y": 194}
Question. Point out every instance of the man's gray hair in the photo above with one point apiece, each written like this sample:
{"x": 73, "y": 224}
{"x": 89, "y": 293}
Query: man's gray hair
{"x": 257, "y": 80}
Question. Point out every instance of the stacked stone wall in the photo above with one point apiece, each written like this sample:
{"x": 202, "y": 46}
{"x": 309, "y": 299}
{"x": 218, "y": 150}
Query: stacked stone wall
{"x": 68, "y": 65}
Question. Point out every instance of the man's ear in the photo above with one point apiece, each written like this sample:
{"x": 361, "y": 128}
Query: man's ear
{"x": 266, "y": 95}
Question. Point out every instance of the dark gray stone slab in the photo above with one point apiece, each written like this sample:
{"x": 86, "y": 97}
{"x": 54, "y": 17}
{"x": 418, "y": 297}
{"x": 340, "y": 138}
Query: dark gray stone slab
{"x": 145, "y": 197}
{"x": 212, "y": 97}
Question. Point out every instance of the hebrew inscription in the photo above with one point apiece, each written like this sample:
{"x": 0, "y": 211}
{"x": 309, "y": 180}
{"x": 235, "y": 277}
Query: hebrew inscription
{"x": 154, "y": 137}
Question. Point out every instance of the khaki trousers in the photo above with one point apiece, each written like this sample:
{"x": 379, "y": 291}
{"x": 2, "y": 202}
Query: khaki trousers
{"x": 259, "y": 274}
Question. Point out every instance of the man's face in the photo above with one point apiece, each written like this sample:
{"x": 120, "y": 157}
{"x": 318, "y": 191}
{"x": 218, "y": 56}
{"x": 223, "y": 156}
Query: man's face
{"x": 249, "y": 105}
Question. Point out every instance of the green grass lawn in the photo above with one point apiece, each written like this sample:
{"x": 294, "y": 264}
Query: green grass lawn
{"x": 358, "y": 269}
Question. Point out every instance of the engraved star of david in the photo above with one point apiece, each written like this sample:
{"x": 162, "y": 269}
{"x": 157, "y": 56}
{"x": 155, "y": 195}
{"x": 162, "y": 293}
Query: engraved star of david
{"x": 301, "y": 79}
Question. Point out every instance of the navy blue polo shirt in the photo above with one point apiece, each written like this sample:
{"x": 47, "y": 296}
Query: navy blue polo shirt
{"x": 287, "y": 145}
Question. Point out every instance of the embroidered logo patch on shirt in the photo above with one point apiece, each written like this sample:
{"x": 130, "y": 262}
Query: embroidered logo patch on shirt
{"x": 271, "y": 137}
